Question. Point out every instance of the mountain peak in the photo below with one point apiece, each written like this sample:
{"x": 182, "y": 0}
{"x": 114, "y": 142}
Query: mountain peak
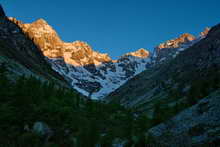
{"x": 205, "y": 32}
{"x": 78, "y": 46}
{"x": 41, "y": 21}
{"x": 175, "y": 43}
{"x": 186, "y": 37}
{"x": 80, "y": 43}
{"x": 141, "y": 53}
{"x": 42, "y": 26}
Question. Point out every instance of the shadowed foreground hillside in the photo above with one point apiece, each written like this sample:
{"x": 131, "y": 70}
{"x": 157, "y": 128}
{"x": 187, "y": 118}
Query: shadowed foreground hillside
{"x": 173, "y": 103}
{"x": 34, "y": 114}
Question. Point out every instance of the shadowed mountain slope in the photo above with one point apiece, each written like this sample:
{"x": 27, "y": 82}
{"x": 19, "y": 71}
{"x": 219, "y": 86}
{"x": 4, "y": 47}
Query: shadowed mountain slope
{"x": 21, "y": 56}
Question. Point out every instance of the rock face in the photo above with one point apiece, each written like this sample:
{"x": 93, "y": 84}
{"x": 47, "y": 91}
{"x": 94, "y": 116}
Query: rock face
{"x": 21, "y": 56}
{"x": 77, "y": 53}
{"x": 171, "y": 48}
{"x": 205, "y": 32}
{"x": 195, "y": 126}
{"x": 141, "y": 53}
{"x": 42, "y": 129}
{"x": 91, "y": 73}
{"x": 176, "y": 43}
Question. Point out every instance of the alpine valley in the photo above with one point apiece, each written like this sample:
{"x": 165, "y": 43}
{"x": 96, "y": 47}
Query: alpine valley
{"x": 56, "y": 93}
{"x": 92, "y": 73}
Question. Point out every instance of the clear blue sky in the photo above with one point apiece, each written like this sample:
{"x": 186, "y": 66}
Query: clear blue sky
{"x": 118, "y": 26}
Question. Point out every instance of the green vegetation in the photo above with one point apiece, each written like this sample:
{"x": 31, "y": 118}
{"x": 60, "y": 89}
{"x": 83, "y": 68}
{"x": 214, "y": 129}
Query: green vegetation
{"x": 74, "y": 120}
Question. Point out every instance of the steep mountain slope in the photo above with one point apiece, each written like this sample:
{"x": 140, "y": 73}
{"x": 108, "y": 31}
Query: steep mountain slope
{"x": 189, "y": 84}
{"x": 21, "y": 56}
{"x": 171, "y": 81}
{"x": 171, "y": 48}
{"x": 91, "y": 73}
{"x": 198, "y": 125}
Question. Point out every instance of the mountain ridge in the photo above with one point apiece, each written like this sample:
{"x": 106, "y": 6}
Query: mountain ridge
{"x": 92, "y": 73}
{"x": 21, "y": 56}
{"x": 175, "y": 76}
{"x": 87, "y": 70}
{"x": 41, "y": 26}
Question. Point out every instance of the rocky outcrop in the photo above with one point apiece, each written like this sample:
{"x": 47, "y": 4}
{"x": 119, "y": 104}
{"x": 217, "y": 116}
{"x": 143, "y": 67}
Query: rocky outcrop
{"x": 21, "y": 56}
{"x": 171, "y": 48}
{"x": 77, "y": 53}
{"x": 176, "y": 43}
{"x": 205, "y": 32}
{"x": 141, "y": 53}
{"x": 42, "y": 129}
{"x": 196, "y": 126}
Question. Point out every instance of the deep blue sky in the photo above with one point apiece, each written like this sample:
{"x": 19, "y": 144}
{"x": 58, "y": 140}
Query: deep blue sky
{"x": 118, "y": 26}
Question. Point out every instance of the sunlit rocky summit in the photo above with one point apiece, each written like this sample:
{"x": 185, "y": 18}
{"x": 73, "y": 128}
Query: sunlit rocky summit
{"x": 171, "y": 48}
{"x": 92, "y": 73}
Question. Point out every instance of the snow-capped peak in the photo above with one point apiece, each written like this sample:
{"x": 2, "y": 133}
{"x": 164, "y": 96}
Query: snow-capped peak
{"x": 141, "y": 53}
{"x": 92, "y": 73}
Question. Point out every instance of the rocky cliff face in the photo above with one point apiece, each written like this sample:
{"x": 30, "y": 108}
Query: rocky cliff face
{"x": 77, "y": 53}
{"x": 171, "y": 48}
{"x": 43, "y": 36}
{"x": 176, "y": 43}
{"x": 91, "y": 73}
{"x": 21, "y": 56}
